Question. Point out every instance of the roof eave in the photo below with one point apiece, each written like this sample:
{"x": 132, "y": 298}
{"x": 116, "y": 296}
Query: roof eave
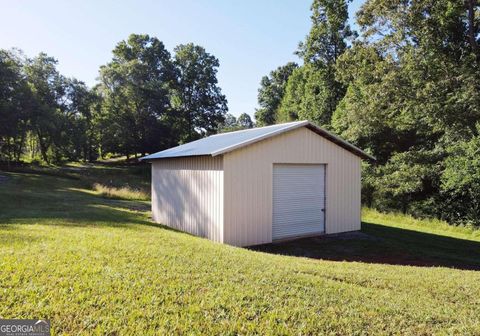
{"x": 340, "y": 142}
{"x": 146, "y": 158}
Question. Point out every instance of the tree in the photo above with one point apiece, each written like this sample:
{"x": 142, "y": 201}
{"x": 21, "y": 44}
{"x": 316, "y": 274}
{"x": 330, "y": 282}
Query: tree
{"x": 80, "y": 139}
{"x": 136, "y": 88}
{"x": 229, "y": 124}
{"x": 198, "y": 99}
{"x": 245, "y": 121}
{"x": 294, "y": 97}
{"x": 308, "y": 96}
{"x": 48, "y": 90}
{"x": 271, "y": 92}
{"x": 15, "y": 97}
{"x": 230, "y": 120}
{"x": 314, "y": 92}
{"x": 461, "y": 182}
{"x": 327, "y": 38}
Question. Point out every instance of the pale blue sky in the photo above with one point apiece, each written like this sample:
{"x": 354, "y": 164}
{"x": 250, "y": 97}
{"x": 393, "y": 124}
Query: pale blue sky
{"x": 249, "y": 37}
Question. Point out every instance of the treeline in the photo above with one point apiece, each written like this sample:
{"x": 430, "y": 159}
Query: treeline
{"x": 146, "y": 99}
{"x": 406, "y": 89}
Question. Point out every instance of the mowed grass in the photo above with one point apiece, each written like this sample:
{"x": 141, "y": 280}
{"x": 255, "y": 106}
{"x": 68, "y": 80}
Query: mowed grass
{"x": 94, "y": 265}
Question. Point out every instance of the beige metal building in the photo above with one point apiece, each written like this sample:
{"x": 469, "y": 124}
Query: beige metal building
{"x": 259, "y": 185}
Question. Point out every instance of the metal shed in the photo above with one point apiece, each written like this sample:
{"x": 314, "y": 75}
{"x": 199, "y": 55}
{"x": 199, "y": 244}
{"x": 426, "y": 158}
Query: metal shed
{"x": 259, "y": 185}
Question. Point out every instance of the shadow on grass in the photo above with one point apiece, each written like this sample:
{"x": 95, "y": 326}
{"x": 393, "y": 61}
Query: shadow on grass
{"x": 136, "y": 176}
{"x": 46, "y": 200}
{"x": 382, "y": 244}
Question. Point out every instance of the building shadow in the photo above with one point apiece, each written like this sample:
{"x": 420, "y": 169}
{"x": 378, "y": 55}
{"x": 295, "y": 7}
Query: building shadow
{"x": 380, "y": 244}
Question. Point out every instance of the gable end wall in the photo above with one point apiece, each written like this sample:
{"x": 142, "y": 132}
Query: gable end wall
{"x": 248, "y": 185}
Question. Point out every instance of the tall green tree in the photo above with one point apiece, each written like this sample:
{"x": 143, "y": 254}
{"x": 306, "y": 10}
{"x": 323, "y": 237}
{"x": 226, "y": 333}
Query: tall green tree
{"x": 79, "y": 136}
{"x": 15, "y": 99}
{"x": 315, "y": 92}
{"x": 136, "y": 87}
{"x": 198, "y": 98}
{"x": 327, "y": 38}
{"x": 48, "y": 90}
{"x": 461, "y": 182}
{"x": 271, "y": 92}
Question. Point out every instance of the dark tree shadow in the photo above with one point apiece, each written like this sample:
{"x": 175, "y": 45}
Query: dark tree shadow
{"x": 384, "y": 245}
{"x": 29, "y": 198}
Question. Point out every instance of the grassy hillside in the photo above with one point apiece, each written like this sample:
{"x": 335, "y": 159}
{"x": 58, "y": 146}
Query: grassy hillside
{"x": 97, "y": 265}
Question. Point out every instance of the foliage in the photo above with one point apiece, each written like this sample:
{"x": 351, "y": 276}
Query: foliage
{"x": 271, "y": 92}
{"x": 313, "y": 92}
{"x": 244, "y": 121}
{"x": 326, "y": 40}
{"x": 413, "y": 96}
{"x": 407, "y": 91}
{"x": 229, "y": 122}
{"x": 294, "y": 96}
{"x": 15, "y": 98}
{"x": 461, "y": 181}
{"x": 42, "y": 111}
{"x": 135, "y": 88}
{"x": 85, "y": 247}
{"x": 145, "y": 101}
{"x": 309, "y": 96}
{"x": 198, "y": 99}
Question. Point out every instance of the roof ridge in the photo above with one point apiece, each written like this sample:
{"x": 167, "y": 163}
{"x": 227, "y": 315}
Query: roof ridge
{"x": 257, "y": 128}
{"x": 291, "y": 125}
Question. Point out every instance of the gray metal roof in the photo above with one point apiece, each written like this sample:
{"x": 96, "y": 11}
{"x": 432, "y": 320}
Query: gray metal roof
{"x": 226, "y": 142}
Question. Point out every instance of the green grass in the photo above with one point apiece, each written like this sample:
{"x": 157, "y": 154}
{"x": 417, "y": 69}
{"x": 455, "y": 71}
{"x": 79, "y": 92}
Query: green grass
{"x": 95, "y": 265}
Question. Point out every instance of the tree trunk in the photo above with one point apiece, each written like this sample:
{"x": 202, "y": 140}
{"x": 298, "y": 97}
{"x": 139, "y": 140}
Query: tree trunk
{"x": 471, "y": 26}
{"x": 21, "y": 145}
{"x": 43, "y": 147}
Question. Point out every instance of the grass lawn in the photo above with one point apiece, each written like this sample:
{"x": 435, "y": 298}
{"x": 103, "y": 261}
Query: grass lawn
{"x": 96, "y": 265}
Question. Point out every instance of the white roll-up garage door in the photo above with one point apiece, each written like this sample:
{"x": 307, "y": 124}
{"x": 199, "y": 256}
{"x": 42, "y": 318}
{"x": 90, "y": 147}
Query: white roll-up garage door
{"x": 298, "y": 200}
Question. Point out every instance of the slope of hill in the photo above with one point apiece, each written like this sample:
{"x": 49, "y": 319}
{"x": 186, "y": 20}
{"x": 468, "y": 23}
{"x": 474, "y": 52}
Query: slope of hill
{"x": 98, "y": 265}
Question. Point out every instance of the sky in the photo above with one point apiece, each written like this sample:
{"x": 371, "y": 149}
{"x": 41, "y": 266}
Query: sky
{"x": 249, "y": 37}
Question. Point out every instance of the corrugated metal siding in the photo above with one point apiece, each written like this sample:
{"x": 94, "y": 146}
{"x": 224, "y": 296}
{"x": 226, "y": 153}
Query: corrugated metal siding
{"x": 298, "y": 200}
{"x": 248, "y": 185}
{"x": 187, "y": 194}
